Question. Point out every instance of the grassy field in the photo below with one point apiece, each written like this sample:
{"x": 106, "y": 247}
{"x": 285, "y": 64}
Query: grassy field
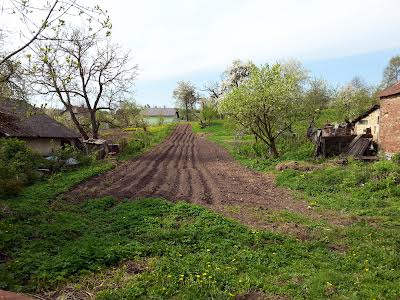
{"x": 154, "y": 249}
{"x": 181, "y": 251}
{"x": 367, "y": 192}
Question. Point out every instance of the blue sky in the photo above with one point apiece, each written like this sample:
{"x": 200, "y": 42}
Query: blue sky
{"x": 337, "y": 71}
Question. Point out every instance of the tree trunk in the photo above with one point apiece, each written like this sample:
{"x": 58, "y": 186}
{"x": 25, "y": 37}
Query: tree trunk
{"x": 95, "y": 125}
{"x": 78, "y": 125}
{"x": 273, "y": 148}
{"x": 187, "y": 111}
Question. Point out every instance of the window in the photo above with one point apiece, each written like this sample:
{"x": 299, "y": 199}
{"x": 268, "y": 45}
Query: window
{"x": 363, "y": 122}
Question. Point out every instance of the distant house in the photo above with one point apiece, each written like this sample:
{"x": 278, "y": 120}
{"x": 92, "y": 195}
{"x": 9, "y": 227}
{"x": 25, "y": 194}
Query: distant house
{"x": 389, "y": 135}
{"x": 153, "y": 115}
{"x": 20, "y": 120}
{"x": 368, "y": 121}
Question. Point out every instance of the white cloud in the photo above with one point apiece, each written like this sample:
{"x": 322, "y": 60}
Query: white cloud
{"x": 177, "y": 37}
{"x": 173, "y": 38}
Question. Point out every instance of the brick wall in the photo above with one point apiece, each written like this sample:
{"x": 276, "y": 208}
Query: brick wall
{"x": 389, "y": 132}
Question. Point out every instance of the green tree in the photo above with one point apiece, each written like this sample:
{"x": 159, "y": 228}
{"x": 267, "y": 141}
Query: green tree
{"x": 268, "y": 103}
{"x": 353, "y": 99}
{"x": 391, "y": 74}
{"x": 318, "y": 96}
{"x": 208, "y": 111}
{"x": 186, "y": 97}
{"x": 129, "y": 114}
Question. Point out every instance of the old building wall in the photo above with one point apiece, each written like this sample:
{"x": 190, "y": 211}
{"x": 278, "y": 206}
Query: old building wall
{"x": 46, "y": 146}
{"x": 389, "y": 136}
{"x": 370, "y": 121}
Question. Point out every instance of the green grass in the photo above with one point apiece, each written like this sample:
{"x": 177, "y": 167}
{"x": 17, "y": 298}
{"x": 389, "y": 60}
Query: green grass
{"x": 190, "y": 252}
{"x": 195, "y": 254}
{"x": 142, "y": 141}
{"x": 364, "y": 189}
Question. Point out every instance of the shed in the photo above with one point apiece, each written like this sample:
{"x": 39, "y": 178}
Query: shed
{"x": 153, "y": 114}
{"x": 368, "y": 120}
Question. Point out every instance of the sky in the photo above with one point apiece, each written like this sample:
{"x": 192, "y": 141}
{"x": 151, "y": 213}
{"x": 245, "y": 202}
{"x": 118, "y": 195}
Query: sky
{"x": 197, "y": 39}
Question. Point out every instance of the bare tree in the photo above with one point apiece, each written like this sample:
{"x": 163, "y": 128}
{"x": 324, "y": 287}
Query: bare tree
{"x": 40, "y": 22}
{"x": 214, "y": 89}
{"x": 80, "y": 67}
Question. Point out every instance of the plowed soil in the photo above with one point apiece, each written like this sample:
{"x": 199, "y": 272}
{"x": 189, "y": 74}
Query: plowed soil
{"x": 189, "y": 167}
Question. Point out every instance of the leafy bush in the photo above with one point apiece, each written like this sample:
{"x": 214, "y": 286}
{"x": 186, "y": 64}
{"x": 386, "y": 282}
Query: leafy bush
{"x": 396, "y": 158}
{"x": 57, "y": 163}
{"x": 18, "y": 165}
{"x": 142, "y": 140}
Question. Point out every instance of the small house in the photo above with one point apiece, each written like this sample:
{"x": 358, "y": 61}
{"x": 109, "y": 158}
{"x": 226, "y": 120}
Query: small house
{"x": 20, "y": 120}
{"x": 155, "y": 115}
{"x": 368, "y": 122}
{"x": 389, "y": 134}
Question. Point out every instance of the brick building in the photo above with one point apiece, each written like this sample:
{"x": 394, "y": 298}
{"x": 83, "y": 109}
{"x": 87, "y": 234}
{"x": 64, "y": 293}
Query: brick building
{"x": 389, "y": 131}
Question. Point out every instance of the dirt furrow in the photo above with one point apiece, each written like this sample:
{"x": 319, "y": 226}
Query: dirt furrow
{"x": 189, "y": 167}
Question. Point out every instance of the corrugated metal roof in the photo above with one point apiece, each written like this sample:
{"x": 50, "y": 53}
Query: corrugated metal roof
{"x": 159, "y": 112}
{"x": 390, "y": 91}
{"x": 364, "y": 115}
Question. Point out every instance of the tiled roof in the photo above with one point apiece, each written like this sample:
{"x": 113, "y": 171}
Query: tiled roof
{"x": 390, "y": 91}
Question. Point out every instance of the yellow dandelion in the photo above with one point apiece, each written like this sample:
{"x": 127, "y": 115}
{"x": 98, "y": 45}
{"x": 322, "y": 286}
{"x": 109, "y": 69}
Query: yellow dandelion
{"x": 181, "y": 279}
{"x": 208, "y": 250}
{"x": 204, "y": 274}
{"x": 366, "y": 269}
{"x": 210, "y": 277}
{"x": 198, "y": 276}
{"x": 169, "y": 276}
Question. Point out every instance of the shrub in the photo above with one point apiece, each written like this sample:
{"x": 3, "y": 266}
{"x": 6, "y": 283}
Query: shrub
{"x": 140, "y": 140}
{"x": 18, "y": 165}
{"x": 396, "y": 158}
{"x": 62, "y": 154}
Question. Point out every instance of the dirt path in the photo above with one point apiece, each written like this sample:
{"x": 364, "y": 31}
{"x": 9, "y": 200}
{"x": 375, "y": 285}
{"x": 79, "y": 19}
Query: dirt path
{"x": 188, "y": 167}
